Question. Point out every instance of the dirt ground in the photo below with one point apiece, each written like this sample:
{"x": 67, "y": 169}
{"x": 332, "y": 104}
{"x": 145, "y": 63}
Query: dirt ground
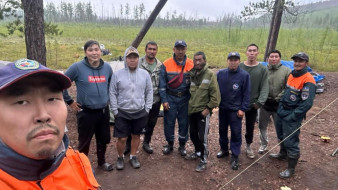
{"x": 316, "y": 170}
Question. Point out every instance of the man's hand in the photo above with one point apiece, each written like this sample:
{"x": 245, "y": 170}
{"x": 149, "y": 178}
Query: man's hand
{"x": 256, "y": 106}
{"x": 205, "y": 112}
{"x": 240, "y": 113}
{"x": 76, "y": 107}
{"x": 166, "y": 106}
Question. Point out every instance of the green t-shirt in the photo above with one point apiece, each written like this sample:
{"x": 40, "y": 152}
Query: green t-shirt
{"x": 152, "y": 66}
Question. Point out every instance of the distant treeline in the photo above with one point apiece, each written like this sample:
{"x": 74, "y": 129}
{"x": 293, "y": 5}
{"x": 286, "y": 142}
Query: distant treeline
{"x": 316, "y": 15}
{"x": 127, "y": 15}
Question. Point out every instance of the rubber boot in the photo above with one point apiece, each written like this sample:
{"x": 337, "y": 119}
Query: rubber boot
{"x": 292, "y": 162}
{"x": 128, "y": 146}
{"x": 281, "y": 155}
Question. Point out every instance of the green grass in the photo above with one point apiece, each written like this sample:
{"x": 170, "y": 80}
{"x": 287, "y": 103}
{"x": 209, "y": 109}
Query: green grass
{"x": 62, "y": 51}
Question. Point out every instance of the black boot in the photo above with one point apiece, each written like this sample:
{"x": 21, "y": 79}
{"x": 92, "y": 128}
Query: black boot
{"x": 128, "y": 146}
{"x": 181, "y": 149}
{"x": 167, "y": 149}
{"x": 292, "y": 162}
{"x": 281, "y": 155}
{"x": 146, "y": 146}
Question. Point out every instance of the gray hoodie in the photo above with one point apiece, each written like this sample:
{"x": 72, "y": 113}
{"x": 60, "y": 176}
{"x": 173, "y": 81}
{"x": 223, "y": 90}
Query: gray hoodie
{"x": 130, "y": 91}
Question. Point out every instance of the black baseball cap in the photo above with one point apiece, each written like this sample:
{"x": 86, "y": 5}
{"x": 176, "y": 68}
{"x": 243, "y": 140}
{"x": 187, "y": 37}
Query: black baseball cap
{"x": 301, "y": 55}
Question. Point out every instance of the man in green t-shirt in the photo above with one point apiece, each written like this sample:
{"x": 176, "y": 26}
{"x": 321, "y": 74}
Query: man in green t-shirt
{"x": 259, "y": 92}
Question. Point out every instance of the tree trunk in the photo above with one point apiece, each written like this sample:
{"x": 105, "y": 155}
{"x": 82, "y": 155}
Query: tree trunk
{"x": 34, "y": 30}
{"x": 148, "y": 23}
{"x": 276, "y": 21}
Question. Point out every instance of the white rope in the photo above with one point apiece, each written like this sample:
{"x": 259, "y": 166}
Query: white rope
{"x": 277, "y": 144}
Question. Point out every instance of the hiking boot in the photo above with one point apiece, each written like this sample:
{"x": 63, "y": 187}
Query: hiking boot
{"x": 279, "y": 156}
{"x": 202, "y": 166}
{"x": 147, "y": 148}
{"x": 134, "y": 162}
{"x": 234, "y": 163}
{"x": 249, "y": 152}
{"x": 182, "y": 151}
{"x": 222, "y": 153}
{"x": 120, "y": 163}
{"x": 193, "y": 156}
{"x": 167, "y": 149}
{"x": 262, "y": 149}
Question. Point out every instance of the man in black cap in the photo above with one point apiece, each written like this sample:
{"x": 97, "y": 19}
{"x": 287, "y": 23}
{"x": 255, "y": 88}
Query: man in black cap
{"x": 296, "y": 101}
{"x": 234, "y": 85}
{"x": 174, "y": 91}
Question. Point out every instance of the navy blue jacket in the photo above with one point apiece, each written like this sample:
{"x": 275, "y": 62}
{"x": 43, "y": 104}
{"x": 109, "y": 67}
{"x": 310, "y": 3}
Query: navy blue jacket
{"x": 235, "y": 89}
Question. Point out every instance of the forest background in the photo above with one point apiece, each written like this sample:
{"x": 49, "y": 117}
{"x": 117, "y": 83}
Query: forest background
{"x": 314, "y": 30}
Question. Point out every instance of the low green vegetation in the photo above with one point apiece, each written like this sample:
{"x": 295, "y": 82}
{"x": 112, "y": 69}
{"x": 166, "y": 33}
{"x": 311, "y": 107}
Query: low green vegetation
{"x": 62, "y": 51}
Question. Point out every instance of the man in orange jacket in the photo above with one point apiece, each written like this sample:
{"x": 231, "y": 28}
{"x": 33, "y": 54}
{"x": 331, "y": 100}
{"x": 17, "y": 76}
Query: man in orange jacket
{"x": 34, "y": 151}
{"x": 298, "y": 98}
{"x": 174, "y": 91}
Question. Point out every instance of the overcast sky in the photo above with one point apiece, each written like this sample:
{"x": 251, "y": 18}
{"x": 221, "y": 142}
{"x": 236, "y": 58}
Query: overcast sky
{"x": 195, "y": 8}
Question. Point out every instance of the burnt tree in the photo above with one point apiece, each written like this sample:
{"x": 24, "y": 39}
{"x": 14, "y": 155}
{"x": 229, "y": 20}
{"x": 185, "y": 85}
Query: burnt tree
{"x": 34, "y": 30}
{"x": 276, "y": 21}
{"x": 148, "y": 23}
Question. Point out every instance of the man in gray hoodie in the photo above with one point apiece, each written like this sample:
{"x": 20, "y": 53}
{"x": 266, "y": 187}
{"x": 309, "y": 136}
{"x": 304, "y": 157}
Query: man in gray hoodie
{"x": 131, "y": 98}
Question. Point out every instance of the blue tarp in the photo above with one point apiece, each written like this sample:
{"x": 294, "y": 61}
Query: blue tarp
{"x": 289, "y": 64}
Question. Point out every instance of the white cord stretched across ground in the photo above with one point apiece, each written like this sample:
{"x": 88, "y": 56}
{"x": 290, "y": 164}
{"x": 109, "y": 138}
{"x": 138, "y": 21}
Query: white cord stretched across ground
{"x": 278, "y": 144}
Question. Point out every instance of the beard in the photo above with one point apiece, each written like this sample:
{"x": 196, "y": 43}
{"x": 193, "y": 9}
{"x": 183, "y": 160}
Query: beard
{"x": 47, "y": 148}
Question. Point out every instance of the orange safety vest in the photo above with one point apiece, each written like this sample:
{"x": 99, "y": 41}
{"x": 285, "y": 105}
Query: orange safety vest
{"x": 74, "y": 172}
{"x": 172, "y": 67}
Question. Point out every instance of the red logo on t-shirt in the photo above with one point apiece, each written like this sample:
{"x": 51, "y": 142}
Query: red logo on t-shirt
{"x": 97, "y": 79}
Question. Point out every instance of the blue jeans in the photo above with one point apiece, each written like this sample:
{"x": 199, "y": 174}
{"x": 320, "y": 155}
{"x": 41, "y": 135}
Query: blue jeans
{"x": 178, "y": 110}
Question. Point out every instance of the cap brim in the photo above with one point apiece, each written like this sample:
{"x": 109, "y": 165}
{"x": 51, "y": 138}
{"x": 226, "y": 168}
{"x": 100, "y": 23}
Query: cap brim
{"x": 62, "y": 79}
{"x": 181, "y": 45}
{"x": 132, "y": 53}
{"x": 234, "y": 57}
{"x": 302, "y": 58}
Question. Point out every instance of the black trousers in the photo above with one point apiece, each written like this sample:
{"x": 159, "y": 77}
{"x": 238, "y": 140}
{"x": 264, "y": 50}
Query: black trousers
{"x": 250, "y": 119}
{"x": 152, "y": 120}
{"x": 92, "y": 122}
{"x": 199, "y": 130}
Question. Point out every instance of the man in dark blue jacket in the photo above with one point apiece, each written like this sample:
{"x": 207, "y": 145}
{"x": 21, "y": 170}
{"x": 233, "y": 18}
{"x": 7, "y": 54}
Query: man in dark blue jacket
{"x": 234, "y": 85}
{"x": 92, "y": 77}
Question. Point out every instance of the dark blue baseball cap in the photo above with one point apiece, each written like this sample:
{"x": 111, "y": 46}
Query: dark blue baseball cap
{"x": 234, "y": 54}
{"x": 180, "y": 43}
{"x": 23, "y": 68}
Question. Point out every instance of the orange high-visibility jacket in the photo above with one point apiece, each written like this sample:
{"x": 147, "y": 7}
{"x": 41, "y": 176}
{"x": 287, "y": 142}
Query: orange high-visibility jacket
{"x": 74, "y": 172}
